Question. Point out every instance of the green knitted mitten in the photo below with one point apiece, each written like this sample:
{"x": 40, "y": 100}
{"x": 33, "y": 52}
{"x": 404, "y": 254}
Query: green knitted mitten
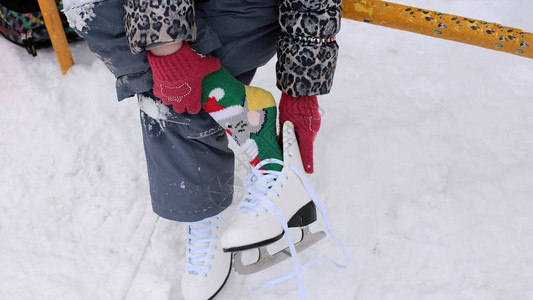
{"x": 248, "y": 114}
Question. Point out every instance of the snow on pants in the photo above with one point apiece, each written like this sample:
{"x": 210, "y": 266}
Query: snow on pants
{"x": 190, "y": 166}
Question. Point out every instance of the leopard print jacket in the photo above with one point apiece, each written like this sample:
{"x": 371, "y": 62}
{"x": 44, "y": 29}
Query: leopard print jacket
{"x": 307, "y": 51}
{"x": 306, "y": 48}
{"x": 148, "y": 23}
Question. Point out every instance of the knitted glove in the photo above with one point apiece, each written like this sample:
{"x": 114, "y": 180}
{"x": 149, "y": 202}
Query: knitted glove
{"x": 178, "y": 77}
{"x": 303, "y": 113}
{"x": 248, "y": 114}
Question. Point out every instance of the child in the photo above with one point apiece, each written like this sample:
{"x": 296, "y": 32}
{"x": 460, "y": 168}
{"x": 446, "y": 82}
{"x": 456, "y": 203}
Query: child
{"x": 152, "y": 48}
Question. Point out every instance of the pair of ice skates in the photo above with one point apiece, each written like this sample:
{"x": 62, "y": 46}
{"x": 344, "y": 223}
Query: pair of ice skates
{"x": 274, "y": 202}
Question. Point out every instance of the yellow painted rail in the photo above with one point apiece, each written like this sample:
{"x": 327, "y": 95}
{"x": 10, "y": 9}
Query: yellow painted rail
{"x": 57, "y": 34}
{"x": 460, "y": 29}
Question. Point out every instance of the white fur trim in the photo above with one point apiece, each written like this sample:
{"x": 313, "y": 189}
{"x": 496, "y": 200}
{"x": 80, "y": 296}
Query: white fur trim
{"x": 227, "y": 112}
{"x": 218, "y": 93}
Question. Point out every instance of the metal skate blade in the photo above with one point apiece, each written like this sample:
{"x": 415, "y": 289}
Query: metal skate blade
{"x": 267, "y": 260}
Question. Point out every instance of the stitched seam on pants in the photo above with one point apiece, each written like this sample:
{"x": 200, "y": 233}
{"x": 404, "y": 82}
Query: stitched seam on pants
{"x": 206, "y": 133}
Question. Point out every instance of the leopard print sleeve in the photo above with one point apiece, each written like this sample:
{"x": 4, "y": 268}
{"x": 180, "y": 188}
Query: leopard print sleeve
{"x": 150, "y": 22}
{"x": 306, "y": 48}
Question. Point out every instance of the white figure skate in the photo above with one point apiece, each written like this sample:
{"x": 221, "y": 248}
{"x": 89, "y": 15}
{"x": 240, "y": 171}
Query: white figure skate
{"x": 273, "y": 197}
{"x": 207, "y": 267}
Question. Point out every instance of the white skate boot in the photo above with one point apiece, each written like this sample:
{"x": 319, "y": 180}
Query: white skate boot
{"x": 273, "y": 197}
{"x": 207, "y": 267}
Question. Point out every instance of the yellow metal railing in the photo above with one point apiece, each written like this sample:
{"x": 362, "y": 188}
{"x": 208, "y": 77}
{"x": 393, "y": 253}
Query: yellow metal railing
{"x": 444, "y": 26}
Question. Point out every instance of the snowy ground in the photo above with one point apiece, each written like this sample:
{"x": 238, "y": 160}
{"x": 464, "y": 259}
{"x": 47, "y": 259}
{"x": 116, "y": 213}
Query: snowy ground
{"x": 425, "y": 162}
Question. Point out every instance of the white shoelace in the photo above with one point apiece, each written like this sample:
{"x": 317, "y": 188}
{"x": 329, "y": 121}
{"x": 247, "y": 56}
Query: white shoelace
{"x": 257, "y": 184}
{"x": 198, "y": 248}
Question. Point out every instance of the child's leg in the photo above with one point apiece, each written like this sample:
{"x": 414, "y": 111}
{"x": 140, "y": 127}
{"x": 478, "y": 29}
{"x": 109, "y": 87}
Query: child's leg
{"x": 187, "y": 156}
{"x": 248, "y": 114}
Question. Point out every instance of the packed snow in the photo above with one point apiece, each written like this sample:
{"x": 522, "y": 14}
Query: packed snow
{"x": 82, "y": 12}
{"x": 424, "y": 162}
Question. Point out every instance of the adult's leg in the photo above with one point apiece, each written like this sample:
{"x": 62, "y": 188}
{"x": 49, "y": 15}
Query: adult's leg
{"x": 246, "y": 30}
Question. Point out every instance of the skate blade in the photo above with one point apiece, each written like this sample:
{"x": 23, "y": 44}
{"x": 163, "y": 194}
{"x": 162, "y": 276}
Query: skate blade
{"x": 267, "y": 260}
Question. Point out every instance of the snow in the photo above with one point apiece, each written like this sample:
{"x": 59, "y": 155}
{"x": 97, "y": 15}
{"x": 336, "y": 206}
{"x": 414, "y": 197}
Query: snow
{"x": 157, "y": 111}
{"x": 424, "y": 162}
{"x": 79, "y": 12}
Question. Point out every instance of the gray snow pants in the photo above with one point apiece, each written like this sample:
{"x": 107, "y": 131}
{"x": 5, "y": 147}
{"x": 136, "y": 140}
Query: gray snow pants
{"x": 190, "y": 166}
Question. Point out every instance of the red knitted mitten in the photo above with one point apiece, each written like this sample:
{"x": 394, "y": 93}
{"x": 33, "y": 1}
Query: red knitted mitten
{"x": 178, "y": 77}
{"x": 303, "y": 113}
